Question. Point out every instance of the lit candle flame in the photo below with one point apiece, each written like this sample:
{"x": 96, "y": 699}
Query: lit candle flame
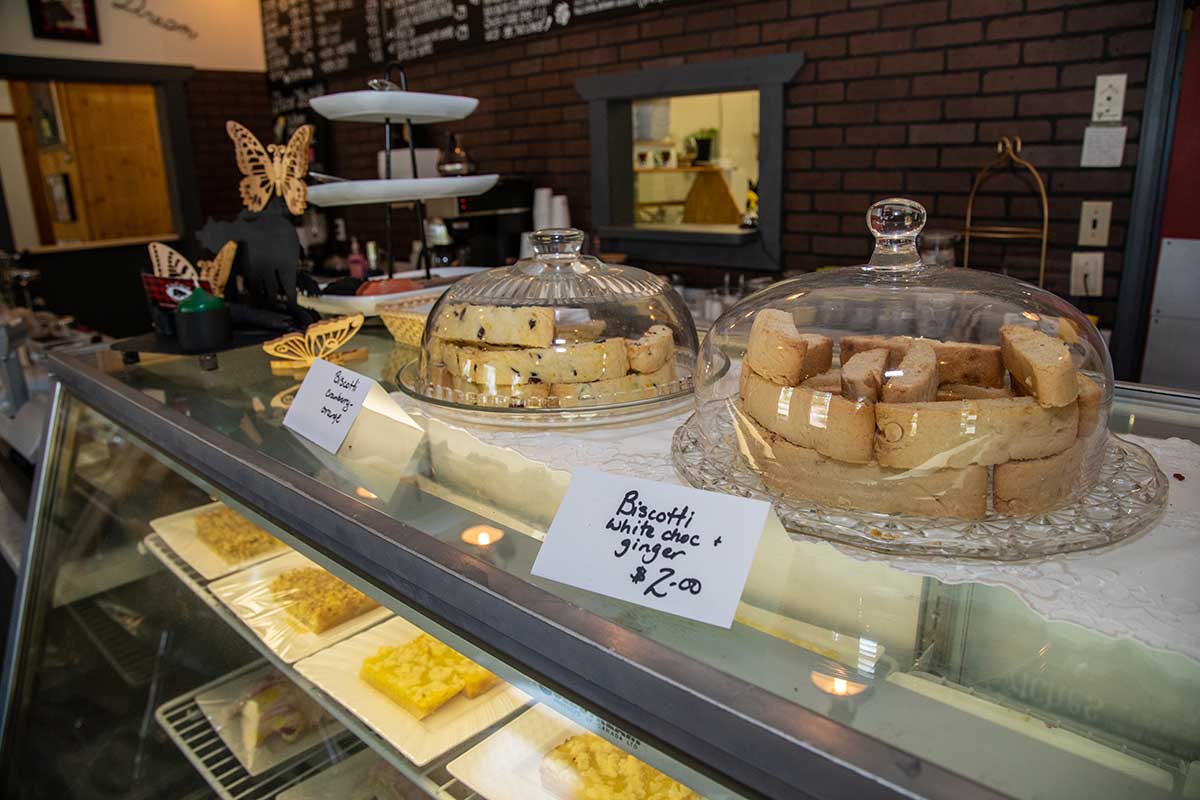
{"x": 482, "y": 535}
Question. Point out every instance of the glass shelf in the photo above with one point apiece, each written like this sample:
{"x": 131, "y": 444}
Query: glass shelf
{"x": 839, "y": 672}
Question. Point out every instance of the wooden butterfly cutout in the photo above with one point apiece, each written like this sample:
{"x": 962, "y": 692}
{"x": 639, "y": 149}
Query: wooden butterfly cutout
{"x": 170, "y": 263}
{"x": 275, "y": 169}
{"x": 297, "y": 351}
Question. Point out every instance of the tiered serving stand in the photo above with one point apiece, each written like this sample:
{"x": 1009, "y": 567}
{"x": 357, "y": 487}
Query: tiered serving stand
{"x": 390, "y": 103}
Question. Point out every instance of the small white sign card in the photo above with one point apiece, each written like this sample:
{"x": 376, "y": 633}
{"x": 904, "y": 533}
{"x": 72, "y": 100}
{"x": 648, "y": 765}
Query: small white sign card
{"x": 327, "y": 404}
{"x": 673, "y": 548}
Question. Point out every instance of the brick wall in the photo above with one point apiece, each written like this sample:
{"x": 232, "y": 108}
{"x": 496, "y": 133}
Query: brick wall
{"x": 896, "y": 98}
{"x": 214, "y": 96}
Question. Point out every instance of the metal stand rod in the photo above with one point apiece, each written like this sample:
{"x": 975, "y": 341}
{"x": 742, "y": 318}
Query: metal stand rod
{"x": 387, "y": 207}
{"x": 426, "y": 258}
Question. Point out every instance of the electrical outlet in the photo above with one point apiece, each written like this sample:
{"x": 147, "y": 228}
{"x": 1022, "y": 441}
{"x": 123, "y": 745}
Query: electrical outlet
{"x": 1108, "y": 103}
{"x": 1087, "y": 274}
{"x": 1094, "y": 219}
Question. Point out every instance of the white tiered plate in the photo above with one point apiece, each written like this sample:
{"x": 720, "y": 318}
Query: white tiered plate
{"x": 367, "y": 304}
{"x": 398, "y": 190}
{"x": 371, "y": 106}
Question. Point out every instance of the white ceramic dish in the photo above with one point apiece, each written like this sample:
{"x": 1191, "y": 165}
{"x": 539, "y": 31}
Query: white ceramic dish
{"x": 178, "y": 531}
{"x": 335, "y": 671}
{"x": 248, "y": 595}
{"x": 397, "y": 190}
{"x": 368, "y": 105}
{"x": 367, "y": 305}
{"x": 221, "y": 705}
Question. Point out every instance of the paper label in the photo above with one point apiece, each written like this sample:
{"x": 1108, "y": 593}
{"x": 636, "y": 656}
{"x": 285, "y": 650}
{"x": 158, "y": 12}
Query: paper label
{"x": 1103, "y": 146}
{"x": 673, "y": 548}
{"x": 327, "y": 404}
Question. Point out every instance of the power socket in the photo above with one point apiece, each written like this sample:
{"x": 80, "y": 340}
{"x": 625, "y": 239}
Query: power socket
{"x": 1094, "y": 220}
{"x": 1087, "y": 274}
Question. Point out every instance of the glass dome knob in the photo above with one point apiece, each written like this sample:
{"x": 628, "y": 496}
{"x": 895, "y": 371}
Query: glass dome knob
{"x": 895, "y": 223}
{"x": 557, "y": 241}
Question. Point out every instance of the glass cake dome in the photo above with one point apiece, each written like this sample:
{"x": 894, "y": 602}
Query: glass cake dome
{"x": 559, "y": 336}
{"x": 917, "y": 409}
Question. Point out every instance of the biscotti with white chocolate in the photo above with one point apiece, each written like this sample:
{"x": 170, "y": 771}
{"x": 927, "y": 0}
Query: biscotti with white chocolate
{"x": 566, "y": 363}
{"x": 818, "y": 358}
{"x": 1040, "y": 364}
{"x": 828, "y": 381}
{"x": 804, "y": 473}
{"x": 961, "y": 433}
{"x": 1020, "y": 488}
{"x": 862, "y": 375}
{"x": 958, "y": 362}
{"x": 525, "y": 326}
{"x": 831, "y": 425}
{"x": 653, "y": 349}
{"x": 776, "y": 350}
{"x": 915, "y": 379}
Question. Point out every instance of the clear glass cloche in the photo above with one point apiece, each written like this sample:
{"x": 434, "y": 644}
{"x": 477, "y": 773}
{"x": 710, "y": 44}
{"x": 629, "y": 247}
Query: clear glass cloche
{"x": 556, "y": 335}
{"x": 913, "y": 408}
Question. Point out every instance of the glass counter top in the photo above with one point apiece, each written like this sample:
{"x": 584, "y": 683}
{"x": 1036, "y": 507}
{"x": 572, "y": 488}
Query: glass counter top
{"x": 963, "y": 675}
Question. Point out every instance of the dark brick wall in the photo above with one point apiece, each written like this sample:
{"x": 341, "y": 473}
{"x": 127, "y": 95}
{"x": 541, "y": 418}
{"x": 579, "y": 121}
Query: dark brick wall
{"x": 214, "y": 96}
{"x": 896, "y": 98}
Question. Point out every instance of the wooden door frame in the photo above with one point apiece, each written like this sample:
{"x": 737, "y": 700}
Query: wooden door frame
{"x": 168, "y": 82}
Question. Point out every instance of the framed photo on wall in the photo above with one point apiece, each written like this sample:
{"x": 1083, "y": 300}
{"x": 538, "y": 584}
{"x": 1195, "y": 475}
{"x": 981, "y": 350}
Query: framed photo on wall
{"x": 73, "y": 20}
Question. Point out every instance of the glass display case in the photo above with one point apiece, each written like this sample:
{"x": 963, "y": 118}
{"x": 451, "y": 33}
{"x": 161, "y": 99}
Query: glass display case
{"x": 211, "y": 606}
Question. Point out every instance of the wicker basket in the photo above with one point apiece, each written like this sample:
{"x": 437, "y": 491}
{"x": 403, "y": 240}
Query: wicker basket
{"x": 404, "y": 323}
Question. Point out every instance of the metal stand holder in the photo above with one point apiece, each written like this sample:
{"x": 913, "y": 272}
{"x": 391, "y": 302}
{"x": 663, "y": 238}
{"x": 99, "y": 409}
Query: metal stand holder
{"x": 426, "y": 262}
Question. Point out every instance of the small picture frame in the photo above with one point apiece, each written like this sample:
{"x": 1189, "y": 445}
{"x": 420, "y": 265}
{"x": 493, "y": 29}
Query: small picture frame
{"x": 73, "y": 20}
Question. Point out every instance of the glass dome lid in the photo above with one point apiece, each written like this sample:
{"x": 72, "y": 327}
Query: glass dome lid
{"x": 918, "y": 409}
{"x": 556, "y": 336}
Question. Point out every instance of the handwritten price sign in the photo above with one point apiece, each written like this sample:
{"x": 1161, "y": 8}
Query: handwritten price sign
{"x": 327, "y": 404}
{"x": 677, "y": 549}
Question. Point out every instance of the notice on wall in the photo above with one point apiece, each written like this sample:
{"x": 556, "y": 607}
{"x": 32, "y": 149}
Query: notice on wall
{"x": 673, "y": 548}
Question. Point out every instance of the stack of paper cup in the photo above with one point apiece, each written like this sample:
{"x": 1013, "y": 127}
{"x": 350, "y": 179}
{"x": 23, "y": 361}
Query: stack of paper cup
{"x": 560, "y": 214}
{"x": 526, "y": 245}
{"x": 541, "y": 207}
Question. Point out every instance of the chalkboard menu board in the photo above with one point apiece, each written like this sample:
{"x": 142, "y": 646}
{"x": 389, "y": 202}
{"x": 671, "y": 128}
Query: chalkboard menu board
{"x": 310, "y": 40}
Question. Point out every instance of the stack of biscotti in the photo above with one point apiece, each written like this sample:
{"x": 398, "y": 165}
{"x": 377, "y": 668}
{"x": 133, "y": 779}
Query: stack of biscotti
{"x": 520, "y": 356}
{"x": 908, "y": 425}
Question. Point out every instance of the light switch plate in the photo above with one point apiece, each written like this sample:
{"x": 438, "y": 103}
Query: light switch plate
{"x": 1108, "y": 103}
{"x": 1087, "y": 274}
{"x": 1094, "y": 220}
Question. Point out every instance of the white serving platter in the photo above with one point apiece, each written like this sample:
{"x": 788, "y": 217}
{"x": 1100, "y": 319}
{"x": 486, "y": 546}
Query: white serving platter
{"x": 248, "y": 595}
{"x": 178, "y": 531}
{"x": 421, "y": 108}
{"x": 222, "y": 706}
{"x": 335, "y": 671}
{"x": 397, "y": 190}
{"x": 368, "y": 305}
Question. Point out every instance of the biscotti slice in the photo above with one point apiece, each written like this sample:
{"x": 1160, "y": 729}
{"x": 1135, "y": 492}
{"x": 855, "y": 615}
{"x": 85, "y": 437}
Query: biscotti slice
{"x": 862, "y": 375}
{"x": 818, "y": 357}
{"x": 1032, "y": 487}
{"x": 965, "y": 391}
{"x": 915, "y": 379}
{"x": 804, "y": 473}
{"x": 1090, "y": 414}
{"x": 776, "y": 349}
{"x": 564, "y": 363}
{"x": 617, "y": 390}
{"x": 958, "y": 362}
{"x": 648, "y": 353}
{"x": 958, "y": 434}
{"x": 526, "y": 326}
{"x": 1040, "y": 363}
{"x": 487, "y": 395}
{"x": 828, "y": 381}
{"x": 831, "y": 425}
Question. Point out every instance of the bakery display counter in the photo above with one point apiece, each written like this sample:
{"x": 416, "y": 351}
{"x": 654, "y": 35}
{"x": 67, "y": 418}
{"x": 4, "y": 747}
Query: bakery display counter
{"x": 212, "y": 606}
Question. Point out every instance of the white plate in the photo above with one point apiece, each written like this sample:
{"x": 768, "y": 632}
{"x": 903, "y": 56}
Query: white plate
{"x": 345, "y": 780}
{"x": 368, "y": 105}
{"x": 507, "y": 764}
{"x": 398, "y": 190}
{"x": 248, "y": 595}
{"x": 179, "y": 532}
{"x": 368, "y": 305}
{"x": 335, "y": 671}
{"x": 221, "y": 705}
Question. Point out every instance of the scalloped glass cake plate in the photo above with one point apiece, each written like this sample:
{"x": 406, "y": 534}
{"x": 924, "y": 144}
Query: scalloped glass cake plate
{"x": 559, "y": 338}
{"x": 918, "y": 410}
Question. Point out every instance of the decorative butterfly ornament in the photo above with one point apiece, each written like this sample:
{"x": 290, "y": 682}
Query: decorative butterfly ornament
{"x": 274, "y": 169}
{"x": 170, "y": 263}
{"x": 297, "y": 351}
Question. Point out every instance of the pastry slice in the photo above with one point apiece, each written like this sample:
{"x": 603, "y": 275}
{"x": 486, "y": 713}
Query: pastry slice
{"x": 318, "y": 600}
{"x": 650, "y": 352}
{"x": 415, "y": 676}
{"x": 915, "y": 380}
{"x": 275, "y": 707}
{"x": 1041, "y": 364}
{"x": 233, "y": 537}
{"x": 586, "y": 767}
{"x": 862, "y": 375}
{"x": 776, "y": 350}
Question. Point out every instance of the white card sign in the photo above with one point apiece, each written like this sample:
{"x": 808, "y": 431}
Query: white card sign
{"x": 327, "y": 404}
{"x": 673, "y": 548}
